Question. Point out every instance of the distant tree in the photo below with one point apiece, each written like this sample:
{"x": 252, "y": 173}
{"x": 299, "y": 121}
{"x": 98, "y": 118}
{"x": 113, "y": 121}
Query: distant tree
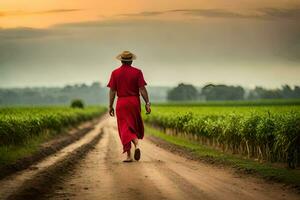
{"x": 262, "y": 93}
{"x": 287, "y": 91}
{"x": 10, "y": 97}
{"x": 96, "y": 85}
{"x": 77, "y": 103}
{"x": 297, "y": 92}
{"x": 90, "y": 94}
{"x": 222, "y": 92}
{"x": 183, "y": 92}
{"x": 67, "y": 88}
{"x": 62, "y": 99}
{"x": 83, "y": 86}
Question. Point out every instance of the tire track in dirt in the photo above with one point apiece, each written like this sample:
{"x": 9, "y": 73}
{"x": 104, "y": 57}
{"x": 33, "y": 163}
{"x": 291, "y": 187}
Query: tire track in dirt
{"x": 22, "y": 182}
{"x": 103, "y": 175}
{"x": 49, "y": 148}
{"x": 158, "y": 175}
{"x": 129, "y": 179}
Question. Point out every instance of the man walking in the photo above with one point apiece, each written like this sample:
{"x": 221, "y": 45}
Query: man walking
{"x": 127, "y": 82}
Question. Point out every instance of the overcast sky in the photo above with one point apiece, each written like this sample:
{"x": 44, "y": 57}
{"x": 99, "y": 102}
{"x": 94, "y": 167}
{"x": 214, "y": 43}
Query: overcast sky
{"x": 245, "y": 42}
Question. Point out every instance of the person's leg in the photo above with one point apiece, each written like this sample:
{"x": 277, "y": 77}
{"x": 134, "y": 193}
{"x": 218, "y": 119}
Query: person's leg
{"x": 135, "y": 142}
{"x": 137, "y": 151}
{"x": 128, "y": 154}
{"x": 128, "y": 159}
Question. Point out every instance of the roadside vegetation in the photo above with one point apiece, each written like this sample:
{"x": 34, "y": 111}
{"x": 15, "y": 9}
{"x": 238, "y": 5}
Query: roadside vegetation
{"x": 22, "y": 130}
{"x": 207, "y": 154}
{"x": 259, "y": 137}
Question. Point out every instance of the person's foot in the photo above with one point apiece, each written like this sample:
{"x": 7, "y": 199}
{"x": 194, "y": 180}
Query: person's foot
{"x": 137, "y": 154}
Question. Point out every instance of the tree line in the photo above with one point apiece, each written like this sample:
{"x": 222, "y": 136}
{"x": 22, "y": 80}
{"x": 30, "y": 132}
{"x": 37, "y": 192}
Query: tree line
{"x": 91, "y": 94}
{"x": 95, "y": 93}
{"x": 215, "y": 92}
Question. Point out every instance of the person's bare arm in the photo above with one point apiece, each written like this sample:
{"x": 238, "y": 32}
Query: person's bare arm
{"x": 112, "y": 95}
{"x": 144, "y": 93}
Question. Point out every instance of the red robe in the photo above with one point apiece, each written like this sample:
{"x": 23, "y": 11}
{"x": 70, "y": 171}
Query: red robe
{"x": 127, "y": 80}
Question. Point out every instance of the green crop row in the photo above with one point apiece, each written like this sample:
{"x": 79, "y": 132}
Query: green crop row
{"x": 271, "y": 134}
{"x": 241, "y": 103}
{"x": 19, "y": 124}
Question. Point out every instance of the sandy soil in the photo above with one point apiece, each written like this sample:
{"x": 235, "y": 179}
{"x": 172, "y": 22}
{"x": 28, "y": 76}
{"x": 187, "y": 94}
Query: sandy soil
{"x": 158, "y": 175}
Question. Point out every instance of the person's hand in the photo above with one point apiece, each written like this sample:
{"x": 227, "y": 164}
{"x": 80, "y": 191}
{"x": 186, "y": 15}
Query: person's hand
{"x": 148, "y": 109}
{"x": 111, "y": 111}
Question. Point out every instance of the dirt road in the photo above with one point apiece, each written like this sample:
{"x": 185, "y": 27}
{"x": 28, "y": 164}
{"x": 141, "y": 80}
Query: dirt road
{"x": 158, "y": 175}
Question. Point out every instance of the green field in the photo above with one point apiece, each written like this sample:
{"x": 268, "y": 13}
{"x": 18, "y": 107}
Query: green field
{"x": 22, "y": 130}
{"x": 265, "y": 130}
{"x": 262, "y": 102}
{"x": 19, "y": 124}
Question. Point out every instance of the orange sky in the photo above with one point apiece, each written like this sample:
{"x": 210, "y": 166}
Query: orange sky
{"x": 55, "y": 42}
{"x": 44, "y": 13}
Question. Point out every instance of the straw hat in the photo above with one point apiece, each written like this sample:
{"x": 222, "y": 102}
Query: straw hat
{"x": 126, "y": 56}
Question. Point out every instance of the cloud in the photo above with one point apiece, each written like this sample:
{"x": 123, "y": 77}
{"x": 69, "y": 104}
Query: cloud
{"x": 109, "y": 23}
{"x": 195, "y": 12}
{"x": 87, "y": 50}
{"x": 262, "y": 13}
{"x": 21, "y": 12}
{"x": 281, "y": 13}
{"x": 58, "y": 11}
{"x": 212, "y": 13}
{"x": 145, "y": 14}
{"x": 23, "y": 33}
{"x": 131, "y": 19}
{"x": 86, "y": 24}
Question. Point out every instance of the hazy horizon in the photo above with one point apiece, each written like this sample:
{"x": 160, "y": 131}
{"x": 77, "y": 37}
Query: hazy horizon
{"x": 148, "y": 85}
{"x": 251, "y": 43}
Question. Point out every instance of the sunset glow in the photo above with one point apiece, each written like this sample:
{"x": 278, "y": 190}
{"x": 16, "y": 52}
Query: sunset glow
{"x": 39, "y": 14}
{"x": 54, "y": 42}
